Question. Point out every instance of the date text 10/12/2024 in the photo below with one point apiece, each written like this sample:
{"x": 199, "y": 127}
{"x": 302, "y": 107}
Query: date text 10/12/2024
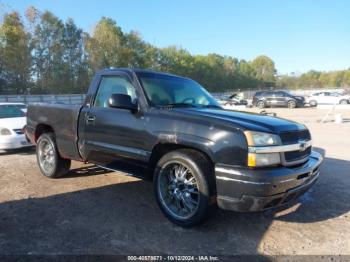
{"x": 173, "y": 258}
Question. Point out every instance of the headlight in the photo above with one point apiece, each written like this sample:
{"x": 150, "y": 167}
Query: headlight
{"x": 4, "y": 131}
{"x": 261, "y": 139}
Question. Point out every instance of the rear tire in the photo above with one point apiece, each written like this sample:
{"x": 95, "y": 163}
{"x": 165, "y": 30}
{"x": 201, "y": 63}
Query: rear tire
{"x": 51, "y": 164}
{"x": 260, "y": 104}
{"x": 183, "y": 186}
{"x": 343, "y": 102}
{"x": 291, "y": 104}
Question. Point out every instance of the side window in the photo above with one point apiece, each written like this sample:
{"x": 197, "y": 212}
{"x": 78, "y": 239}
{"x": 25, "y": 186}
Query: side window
{"x": 113, "y": 85}
{"x": 280, "y": 94}
{"x": 334, "y": 94}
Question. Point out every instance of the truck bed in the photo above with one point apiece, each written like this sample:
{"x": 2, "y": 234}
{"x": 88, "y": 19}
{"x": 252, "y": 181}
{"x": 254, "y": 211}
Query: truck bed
{"x": 63, "y": 119}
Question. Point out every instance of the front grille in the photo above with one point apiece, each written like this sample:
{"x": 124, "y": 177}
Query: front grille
{"x": 297, "y": 155}
{"x": 294, "y": 137}
{"x": 18, "y": 131}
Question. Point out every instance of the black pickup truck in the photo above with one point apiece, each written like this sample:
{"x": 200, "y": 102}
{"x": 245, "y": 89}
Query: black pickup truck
{"x": 171, "y": 130}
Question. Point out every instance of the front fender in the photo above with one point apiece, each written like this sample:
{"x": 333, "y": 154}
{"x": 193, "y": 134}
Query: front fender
{"x": 225, "y": 147}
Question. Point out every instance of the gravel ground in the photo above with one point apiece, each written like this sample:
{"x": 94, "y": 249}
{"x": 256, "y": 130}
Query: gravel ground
{"x": 92, "y": 211}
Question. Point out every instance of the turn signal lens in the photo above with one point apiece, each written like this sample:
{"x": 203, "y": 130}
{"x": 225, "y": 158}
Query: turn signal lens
{"x": 251, "y": 160}
{"x": 260, "y": 160}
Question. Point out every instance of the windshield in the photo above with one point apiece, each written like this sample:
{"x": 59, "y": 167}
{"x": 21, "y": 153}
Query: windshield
{"x": 9, "y": 111}
{"x": 21, "y": 106}
{"x": 166, "y": 90}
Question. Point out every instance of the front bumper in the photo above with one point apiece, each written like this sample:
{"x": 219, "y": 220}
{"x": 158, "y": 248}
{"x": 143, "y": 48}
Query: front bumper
{"x": 244, "y": 189}
{"x": 300, "y": 103}
{"x": 14, "y": 142}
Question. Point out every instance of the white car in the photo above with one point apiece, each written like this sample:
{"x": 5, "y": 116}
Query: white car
{"x": 327, "y": 98}
{"x": 12, "y": 123}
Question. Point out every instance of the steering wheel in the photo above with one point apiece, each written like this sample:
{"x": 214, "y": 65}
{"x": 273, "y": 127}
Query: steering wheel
{"x": 189, "y": 100}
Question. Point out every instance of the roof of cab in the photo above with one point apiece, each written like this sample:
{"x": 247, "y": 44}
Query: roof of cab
{"x": 133, "y": 70}
{"x": 12, "y": 103}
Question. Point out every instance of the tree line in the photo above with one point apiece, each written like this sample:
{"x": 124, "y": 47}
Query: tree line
{"x": 41, "y": 54}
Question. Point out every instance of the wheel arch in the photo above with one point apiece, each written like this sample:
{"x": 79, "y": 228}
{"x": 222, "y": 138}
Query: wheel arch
{"x": 344, "y": 100}
{"x": 160, "y": 149}
{"x": 313, "y": 100}
{"x": 41, "y": 129}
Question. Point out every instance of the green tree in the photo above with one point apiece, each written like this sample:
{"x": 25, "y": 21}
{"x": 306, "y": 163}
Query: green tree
{"x": 48, "y": 42}
{"x": 137, "y": 52}
{"x": 75, "y": 68}
{"x": 287, "y": 81}
{"x": 58, "y": 57}
{"x": 15, "y": 57}
{"x": 310, "y": 79}
{"x": 265, "y": 70}
{"x": 107, "y": 46}
{"x": 174, "y": 60}
{"x": 346, "y": 79}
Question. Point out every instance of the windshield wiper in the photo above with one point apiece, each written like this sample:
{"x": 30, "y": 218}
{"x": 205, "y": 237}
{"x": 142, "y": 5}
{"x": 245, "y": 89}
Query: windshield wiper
{"x": 178, "y": 105}
{"x": 211, "y": 106}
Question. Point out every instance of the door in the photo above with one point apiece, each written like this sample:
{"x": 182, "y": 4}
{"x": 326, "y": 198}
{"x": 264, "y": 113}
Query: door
{"x": 322, "y": 98}
{"x": 270, "y": 98}
{"x": 332, "y": 98}
{"x": 281, "y": 98}
{"x": 113, "y": 135}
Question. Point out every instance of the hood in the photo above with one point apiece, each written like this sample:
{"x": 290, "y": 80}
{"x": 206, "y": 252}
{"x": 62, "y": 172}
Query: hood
{"x": 13, "y": 122}
{"x": 245, "y": 120}
{"x": 300, "y": 98}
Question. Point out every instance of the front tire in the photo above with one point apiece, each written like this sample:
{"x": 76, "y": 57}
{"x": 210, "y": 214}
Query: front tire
{"x": 291, "y": 104}
{"x": 260, "y": 104}
{"x": 313, "y": 103}
{"x": 51, "y": 164}
{"x": 182, "y": 187}
{"x": 343, "y": 102}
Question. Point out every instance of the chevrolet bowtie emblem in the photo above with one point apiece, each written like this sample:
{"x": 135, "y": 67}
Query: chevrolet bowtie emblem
{"x": 302, "y": 146}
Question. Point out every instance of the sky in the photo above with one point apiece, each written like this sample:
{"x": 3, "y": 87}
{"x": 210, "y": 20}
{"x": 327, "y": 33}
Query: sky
{"x": 299, "y": 35}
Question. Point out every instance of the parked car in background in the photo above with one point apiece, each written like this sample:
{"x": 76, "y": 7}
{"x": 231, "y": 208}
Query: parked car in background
{"x": 12, "y": 123}
{"x": 21, "y": 106}
{"x": 327, "y": 98}
{"x": 232, "y": 100}
{"x": 235, "y": 99}
{"x": 264, "y": 99}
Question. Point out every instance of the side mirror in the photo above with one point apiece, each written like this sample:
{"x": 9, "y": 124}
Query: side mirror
{"x": 122, "y": 101}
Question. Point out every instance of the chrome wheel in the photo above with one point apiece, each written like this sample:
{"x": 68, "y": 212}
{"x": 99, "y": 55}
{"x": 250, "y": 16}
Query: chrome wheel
{"x": 46, "y": 156}
{"x": 313, "y": 103}
{"x": 291, "y": 104}
{"x": 261, "y": 104}
{"x": 178, "y": 190}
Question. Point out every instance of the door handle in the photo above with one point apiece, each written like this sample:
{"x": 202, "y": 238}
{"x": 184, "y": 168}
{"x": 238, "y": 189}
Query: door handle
{"x": 90, "y": 119}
